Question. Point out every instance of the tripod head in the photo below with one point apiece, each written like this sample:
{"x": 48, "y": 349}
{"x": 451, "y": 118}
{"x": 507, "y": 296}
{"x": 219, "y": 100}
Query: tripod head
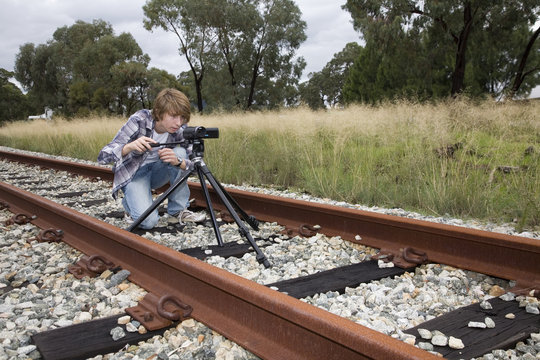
{"x": 194, "y": 135}
{"x": 197, "y": 150}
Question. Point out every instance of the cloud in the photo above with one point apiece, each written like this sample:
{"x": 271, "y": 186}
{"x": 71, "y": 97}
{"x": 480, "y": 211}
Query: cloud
{"x": 31, "y": 21}
{"x": 329, "y": 29}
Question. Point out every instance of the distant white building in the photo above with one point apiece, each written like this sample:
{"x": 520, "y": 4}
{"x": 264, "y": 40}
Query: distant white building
{"x": 46, "y": 115}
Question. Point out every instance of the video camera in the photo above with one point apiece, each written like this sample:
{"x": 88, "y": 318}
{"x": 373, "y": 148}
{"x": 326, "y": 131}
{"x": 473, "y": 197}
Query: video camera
{"x": 200, "y": 132}
{"x": 193, "y": 134}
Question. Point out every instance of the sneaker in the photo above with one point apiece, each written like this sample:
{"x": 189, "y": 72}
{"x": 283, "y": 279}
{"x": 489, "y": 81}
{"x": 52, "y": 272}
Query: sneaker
{"x": 190, "y": 216}
{"x": 127, "y": 218}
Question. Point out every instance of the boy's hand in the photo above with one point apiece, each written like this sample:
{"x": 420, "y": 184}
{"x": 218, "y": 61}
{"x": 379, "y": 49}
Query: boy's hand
{"x": 167, "y": 155}
{"x": 141, "y": 145}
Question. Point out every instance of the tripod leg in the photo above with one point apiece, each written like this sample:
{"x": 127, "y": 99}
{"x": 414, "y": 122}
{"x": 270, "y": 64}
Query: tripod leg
{"x": 157, "y": 202}
{"x": 261, "y": 258}
{"x": 209, "y": 205}
{"x": 247, "y": 218}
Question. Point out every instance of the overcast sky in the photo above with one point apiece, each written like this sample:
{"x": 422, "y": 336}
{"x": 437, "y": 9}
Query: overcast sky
{"x": 329, "y": 28}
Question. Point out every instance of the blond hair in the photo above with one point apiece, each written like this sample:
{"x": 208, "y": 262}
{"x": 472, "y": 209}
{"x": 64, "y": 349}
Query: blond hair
{"x": 173, "y": 102}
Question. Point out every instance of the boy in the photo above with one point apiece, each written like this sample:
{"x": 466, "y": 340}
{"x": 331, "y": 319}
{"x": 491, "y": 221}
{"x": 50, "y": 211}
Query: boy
{"x": 139, "y": 168}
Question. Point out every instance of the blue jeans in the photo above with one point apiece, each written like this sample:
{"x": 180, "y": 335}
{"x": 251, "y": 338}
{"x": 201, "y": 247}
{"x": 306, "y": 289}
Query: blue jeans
{"x": 138, "y": 192}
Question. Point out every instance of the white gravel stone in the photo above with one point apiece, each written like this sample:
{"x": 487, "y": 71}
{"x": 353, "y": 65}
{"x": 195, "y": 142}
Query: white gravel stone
{"x": 117, "y": 333}
{"x": 508, "y": 296}
{"x": 25, "y": 350}
{"x": 476, "y": 324}
{"x": 490, "y": 324}
{"x": 486, "y": 305}
{"x": 130, "y": 327}
{"x": 382, "y": 264}
{"x": 425, "y": 334}
{"x": 455, "y": 343}
{"x": 425, "y": 346}
{"x": 123, "y": 320}
{"x": 439, "y": 340}
{"x": 83, "y": 316}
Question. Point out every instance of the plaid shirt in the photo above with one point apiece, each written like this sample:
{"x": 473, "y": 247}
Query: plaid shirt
{"x": 139, "y": 124}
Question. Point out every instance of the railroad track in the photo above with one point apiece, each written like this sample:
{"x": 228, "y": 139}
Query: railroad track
{"x": 272, "y": 324}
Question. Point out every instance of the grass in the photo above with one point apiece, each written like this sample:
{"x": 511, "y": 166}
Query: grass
{"x": 81, "y": 139}
{"x": 461, "y": 159}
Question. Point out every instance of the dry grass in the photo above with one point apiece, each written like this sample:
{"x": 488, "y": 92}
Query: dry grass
{"x": 76, "y": 138}
{"x": 391, "y": 155}
{"x": 59, "y": 126}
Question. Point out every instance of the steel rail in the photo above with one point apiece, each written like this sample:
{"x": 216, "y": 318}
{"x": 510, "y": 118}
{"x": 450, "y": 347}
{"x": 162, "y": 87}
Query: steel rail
{"x": 89, "y": 171}
{"x": 501, "y": 255}
{"x": 270, "y": 324}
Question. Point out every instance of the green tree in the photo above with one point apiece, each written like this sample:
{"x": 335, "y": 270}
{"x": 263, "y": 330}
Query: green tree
{"x": 94, "y": 65}
{"x": 395, "y": 65}
{"x": 528, "y": 67}
{"x": 455, "y": 18}
{"x": 23, "y": 65}
{"x": 503, "y": 49}
{"x": 252, "y": 42}
{"x": 185, "y": 19}
{"x": 131, "y": 82}
{"x": 85, "y": 68}
{"x": 271, "y": 48}
{"x": 68, "y": 44}
{"x": 137, "y": 86}
{"x": 37, "y": 70}
{"x": 13, "y": 103}
{"x": 234, "y": 23}
{"x": 80, "y": 96}
{"x": 361, "y": 84}
{"x": 456, "y": 31}
{"x": 325, "y": 88}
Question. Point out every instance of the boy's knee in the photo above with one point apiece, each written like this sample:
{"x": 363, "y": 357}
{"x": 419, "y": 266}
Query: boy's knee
{"x": 180, "y": 152}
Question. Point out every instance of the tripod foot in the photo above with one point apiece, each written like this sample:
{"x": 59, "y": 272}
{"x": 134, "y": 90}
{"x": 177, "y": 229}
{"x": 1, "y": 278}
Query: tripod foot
{"x": 263, "y": 260}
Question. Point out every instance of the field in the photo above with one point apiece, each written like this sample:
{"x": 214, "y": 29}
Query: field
{"x": 456, "y": 158}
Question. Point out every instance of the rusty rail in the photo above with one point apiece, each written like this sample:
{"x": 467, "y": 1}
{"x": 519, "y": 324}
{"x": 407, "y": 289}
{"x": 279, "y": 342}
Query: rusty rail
{"x": 501, "y": 255}
{"x": 269, "y": 324}
{"x": 89, "y": 171}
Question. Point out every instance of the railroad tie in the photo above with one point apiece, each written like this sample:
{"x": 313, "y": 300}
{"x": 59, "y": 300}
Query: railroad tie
{"x": 88, "y": 339}
{"x": 336, "y": 279}
{"x": 512, "y": 324}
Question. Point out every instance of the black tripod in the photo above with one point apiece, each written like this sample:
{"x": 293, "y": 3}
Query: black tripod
{"x": 204, "y": 173}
